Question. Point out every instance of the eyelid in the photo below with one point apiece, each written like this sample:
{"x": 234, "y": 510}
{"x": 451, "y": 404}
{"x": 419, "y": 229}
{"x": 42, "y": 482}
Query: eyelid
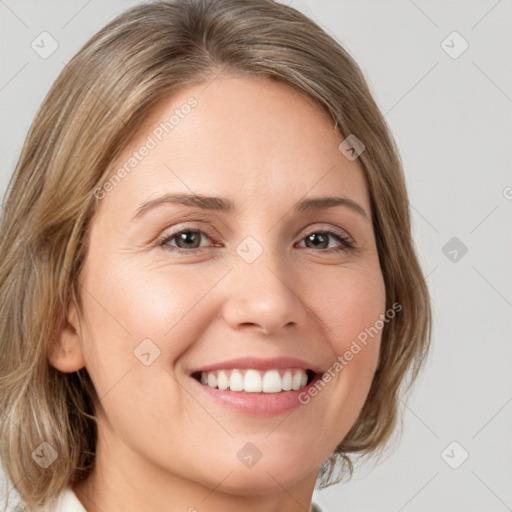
{"x": 346, "y": 240}
{"x": 187, "y": 226}
{"x": 330, "y": 229}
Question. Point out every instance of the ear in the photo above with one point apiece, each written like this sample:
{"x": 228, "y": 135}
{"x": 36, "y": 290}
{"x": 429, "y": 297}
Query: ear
{"x": 66, "y": 352}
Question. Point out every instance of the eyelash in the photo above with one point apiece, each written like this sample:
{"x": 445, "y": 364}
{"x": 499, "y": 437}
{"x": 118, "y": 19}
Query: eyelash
{"x": 339, "y": 235}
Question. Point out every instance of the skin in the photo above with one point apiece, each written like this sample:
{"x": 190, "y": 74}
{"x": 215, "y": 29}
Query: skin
{"x": 162, "y": 444}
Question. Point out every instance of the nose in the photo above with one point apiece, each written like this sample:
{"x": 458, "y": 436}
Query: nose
{"x": 264, "y": 295}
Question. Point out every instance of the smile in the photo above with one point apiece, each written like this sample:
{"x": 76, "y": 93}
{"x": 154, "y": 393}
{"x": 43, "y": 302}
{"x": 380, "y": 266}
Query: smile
{"x": 255, "y": 386}
{"x": 256, "y": 381}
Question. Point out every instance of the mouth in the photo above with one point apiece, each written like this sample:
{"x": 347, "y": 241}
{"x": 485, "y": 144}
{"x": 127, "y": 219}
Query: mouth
{"x": 254, "y": 386}
{"x": 253, "y": 380}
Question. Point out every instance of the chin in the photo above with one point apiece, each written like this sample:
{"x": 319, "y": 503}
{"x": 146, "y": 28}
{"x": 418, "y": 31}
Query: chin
{"x": 261, "y": 471}
{"x": 263, "y": 480}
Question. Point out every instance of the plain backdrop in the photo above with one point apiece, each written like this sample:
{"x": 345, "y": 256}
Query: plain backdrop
{"x": 441, "y": 73}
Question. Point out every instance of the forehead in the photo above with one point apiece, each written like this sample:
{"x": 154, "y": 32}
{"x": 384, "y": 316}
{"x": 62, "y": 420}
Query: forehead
{"x": 248, "y": 138}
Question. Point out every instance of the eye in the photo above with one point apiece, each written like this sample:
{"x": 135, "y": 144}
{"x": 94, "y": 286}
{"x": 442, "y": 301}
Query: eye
{"x": 320, "y": 239}
{"x": 188, "y": 240}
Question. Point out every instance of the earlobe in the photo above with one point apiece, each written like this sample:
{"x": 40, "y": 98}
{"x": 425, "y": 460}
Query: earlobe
{"x": 66, "y": 351}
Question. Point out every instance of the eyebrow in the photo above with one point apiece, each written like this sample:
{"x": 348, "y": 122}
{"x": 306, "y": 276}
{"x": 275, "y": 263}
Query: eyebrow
{"x": 224, "y": 205}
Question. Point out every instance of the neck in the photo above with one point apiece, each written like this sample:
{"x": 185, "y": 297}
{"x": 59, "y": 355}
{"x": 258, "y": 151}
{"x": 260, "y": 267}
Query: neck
{"x": 124, "y": 480}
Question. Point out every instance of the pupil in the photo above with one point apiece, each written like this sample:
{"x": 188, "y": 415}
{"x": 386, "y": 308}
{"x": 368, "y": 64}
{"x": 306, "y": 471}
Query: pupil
{"x": 316, "y": 236}
{"x": 188, "y": 236}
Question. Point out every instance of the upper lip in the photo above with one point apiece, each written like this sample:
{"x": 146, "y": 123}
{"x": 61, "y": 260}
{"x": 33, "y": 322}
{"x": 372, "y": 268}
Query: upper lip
{"x": 259, "y": 364}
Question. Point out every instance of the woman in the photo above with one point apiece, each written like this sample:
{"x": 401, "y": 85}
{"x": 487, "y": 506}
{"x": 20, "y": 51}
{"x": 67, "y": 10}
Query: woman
{"x": 209, "y": 294}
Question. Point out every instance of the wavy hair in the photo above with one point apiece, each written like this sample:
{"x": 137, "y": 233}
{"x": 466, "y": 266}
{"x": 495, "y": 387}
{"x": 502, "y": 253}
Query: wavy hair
{"x": 96, "y": 104}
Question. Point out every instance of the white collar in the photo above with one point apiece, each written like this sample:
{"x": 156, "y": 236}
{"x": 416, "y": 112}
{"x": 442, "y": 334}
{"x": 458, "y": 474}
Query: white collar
{"x": 68, "y": 502}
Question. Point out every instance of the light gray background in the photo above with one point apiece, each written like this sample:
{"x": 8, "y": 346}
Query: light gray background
{"x": 452, "y": 121}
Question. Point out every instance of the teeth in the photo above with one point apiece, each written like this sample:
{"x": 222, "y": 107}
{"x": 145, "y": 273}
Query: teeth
{"x": 256, "y": 381}
{"x": 272, "y": 382}
{"x": 236, "y": 381}
{"x": 212, "y": 380}
{"x": 222, "y": 381}
{"x": 287, "y": 380}
{"x": 297, "y": 379}
{"x": 252, "y": 381}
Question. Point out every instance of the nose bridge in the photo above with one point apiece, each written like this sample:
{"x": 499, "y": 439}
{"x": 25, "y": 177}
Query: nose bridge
{"x": 262, "y": 286}
{"x": 261, "y": 259}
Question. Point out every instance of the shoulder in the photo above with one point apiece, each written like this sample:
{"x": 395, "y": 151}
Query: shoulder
{"x": 67, "y": 501}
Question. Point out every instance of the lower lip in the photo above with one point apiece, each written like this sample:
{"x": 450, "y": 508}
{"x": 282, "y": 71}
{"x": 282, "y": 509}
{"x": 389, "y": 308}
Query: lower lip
{"x": 257, "y": 404}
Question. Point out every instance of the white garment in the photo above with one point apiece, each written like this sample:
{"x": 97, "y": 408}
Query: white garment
{"x": 68, "y": 502}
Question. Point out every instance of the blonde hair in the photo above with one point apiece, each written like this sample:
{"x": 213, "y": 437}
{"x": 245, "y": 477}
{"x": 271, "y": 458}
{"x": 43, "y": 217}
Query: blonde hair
{"x": 96, "y": 104}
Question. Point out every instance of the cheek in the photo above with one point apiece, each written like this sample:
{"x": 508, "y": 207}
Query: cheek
{"x": 172, "y": 307}
{"x": 127, "y": 306}
{"x": 138, "y": 326}
{"x": 176, "y": 308}
{"x": 146, "y": 303}
{"x": 351, "y": 304}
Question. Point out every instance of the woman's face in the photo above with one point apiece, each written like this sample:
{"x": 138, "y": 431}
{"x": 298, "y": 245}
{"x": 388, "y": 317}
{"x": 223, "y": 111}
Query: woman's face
{"x": 172, "y": 290}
